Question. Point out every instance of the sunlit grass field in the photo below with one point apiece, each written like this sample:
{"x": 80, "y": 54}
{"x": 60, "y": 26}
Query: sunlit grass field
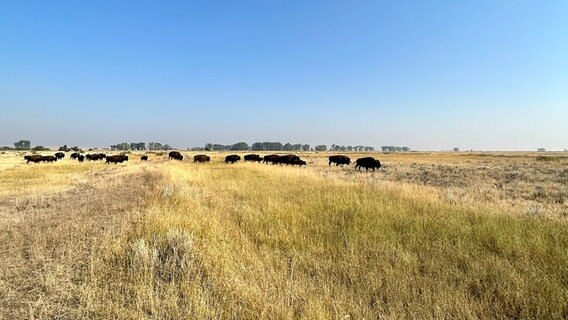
{"x": 179, "y": 240}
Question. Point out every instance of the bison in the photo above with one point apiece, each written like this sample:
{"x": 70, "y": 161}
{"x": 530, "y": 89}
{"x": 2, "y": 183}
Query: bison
{"x": 144, "y": 158}
{"x": 36, "y": 158}
{"x": 277, "y": 159}
{"x": 367, "y": 163}
{"x": 272, "y": 158}
{"x": 119, "y": 158}
{"x": 232, "y": 158}
{"x": 102, "y": 156}
{"x": 287, "y": 159}
{"x": 298, "y": 162}
{"x": 75, "y": 155}
{"x": 94, "y": 157}
{"x": 201, "y": 158}
{"x": 175, "y": 155}
{"x": 81, "y": 158}
{"x": 60, "y": 155}
{"x": 339, "y": 160}
{"x": 48, "y": 159}
{"x": 253, "y": 157}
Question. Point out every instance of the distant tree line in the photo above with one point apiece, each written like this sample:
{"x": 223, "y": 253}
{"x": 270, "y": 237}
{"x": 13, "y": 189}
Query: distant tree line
{"x": 24, "y": 145}
{"x": 140, "y": 146}
{"x": 394, "y": 148}
{"x": 278, "y": 146}
{"x": 257, "y": 146}
{"x": 239, "y": 146}
{"x": 335, "y": 147}
{"x": 65, "y": 148}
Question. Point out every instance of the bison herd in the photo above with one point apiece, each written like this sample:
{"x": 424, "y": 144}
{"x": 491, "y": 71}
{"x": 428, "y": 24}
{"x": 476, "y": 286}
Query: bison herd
{"x": 289, "y": 159}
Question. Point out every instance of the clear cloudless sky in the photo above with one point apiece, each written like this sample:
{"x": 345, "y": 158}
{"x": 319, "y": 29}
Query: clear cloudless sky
{"x": 431, "y": 75}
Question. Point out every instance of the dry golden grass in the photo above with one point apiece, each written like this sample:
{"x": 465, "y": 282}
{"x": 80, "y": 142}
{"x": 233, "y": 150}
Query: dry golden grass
{"x": 192, "y": 241}
{"x": 51, "y": 217}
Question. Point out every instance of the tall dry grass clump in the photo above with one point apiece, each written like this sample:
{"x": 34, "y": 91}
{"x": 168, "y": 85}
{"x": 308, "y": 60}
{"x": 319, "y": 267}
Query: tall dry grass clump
{"x": 258, "y": 241}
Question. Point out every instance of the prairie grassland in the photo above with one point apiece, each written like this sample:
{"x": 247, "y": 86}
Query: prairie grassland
{"x": 512, "y": 183}
{"x": 178, "y": 240}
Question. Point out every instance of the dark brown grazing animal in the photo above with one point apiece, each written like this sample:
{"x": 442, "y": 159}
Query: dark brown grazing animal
{"x": 175, "y": 155}
{"x": 102, "y": 156}
{"x": 74, "y": 155}
{"x": 232, "y": 158}
{"x": 36, "y": 158}
{"x": 93, "y": 157}
{"x": 298, "y": 162}
{"x": 48, "y": 159}
{"x": 81, "y": 158}
{"x": 271, "y": 158}
{"x": 367, "y": 163}
{"x": 253, "y": 157}
{"x": 119, "y": 158}
{"x": 287, "y": 159}
{"x": 201, "y": 158}
{"x": 339, "y": 160}
{"x": 144, "y": 158}
{"x": 60, "y": 155}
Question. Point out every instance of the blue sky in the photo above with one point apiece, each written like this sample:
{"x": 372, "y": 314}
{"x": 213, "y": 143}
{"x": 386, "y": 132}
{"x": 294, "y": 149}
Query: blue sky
{"x": 490, "y": 75}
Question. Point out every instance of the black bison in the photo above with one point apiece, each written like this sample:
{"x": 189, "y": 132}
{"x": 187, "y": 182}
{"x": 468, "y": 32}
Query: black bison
{"x": 253, "y": 157}
{"x": 277, "y": 159}
{"x": 119, "y": 158}
{"x": 175, "y": 155}
{"x": 75, "y": 155}
{"x": 95, "y": 156}
{"x": 339, "y": 160}
{"x": 367, "y": 163}
{"x": 48, "y": 159}
{"x": 201, "y": 158}
{"x": 288, "y": 159}
{"x": 271, "y": 158}
{"x": 298, "y": 162}
{"x": 81, "y": 158}
{"x": 36, "y": 158}
{"x": 60, "y": 155}
{"x": 144, "y": 158}
{"x": 232, "y": 158}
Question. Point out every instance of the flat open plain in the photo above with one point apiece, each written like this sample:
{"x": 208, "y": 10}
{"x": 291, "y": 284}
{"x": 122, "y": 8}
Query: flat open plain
{"x": 429, "y": 235}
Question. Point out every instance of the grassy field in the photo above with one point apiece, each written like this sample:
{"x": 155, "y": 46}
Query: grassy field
{"x": 431, "y": 235}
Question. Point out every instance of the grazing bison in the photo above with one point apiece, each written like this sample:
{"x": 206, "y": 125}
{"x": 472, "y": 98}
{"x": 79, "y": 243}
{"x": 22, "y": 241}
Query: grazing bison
{"x": 48, "y": 159}
{"x": 232, "y": 158}
{"x": 175, "y": 155}
{"x": 201, "y": 158}
{"x": 298, "y": 162}
{"x": 272, "y": 158}
{"x": 253, "y": 157}
{"x": 75, "y": 155}
{"x": 277, "y": 159}
{"x": 144, "y": 158}
{"x": 60, "y": 155}
{"x": 367, "y": 163}
{"x": 119, "y": 158}
{"x": 287, "y": 159}
{"x": 36, "y": 158}
{"x": 81, "y": 158}
{"x": 339, "y": 160}
{"x": 93, "y": 157}
{"x": 102, "y": 156}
